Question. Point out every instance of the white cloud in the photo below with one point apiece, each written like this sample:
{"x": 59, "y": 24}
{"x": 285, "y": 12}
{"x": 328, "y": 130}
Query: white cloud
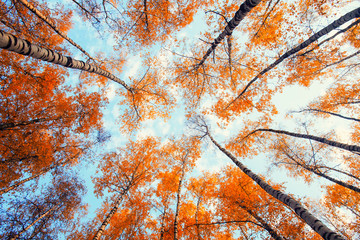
{"x": 116, "y": 141}
{"x": 143, "y": 133}
{"x": 110, "y": 40}
{"x": 164, "y": 127}
{"x": 146, "y": 130}
{"x": 132, "y": 66}
{"x": 111, "y": 91}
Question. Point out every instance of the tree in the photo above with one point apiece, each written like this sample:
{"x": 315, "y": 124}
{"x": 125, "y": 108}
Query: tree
{"x": 39, "y": 132}
{"x": 42, "y": 172}
{"x": 203, "y": 189}
{"x": 141, "y": 23}
{"x": 43, "y": 123}
{"x": 302, "y": 162}
{"x": 123, "y": 172}
{"x": 302, "y": 212}
{"x": 52, "y": 25}
{"x": 345, "y": 18}
{"x": 17, "y": 19}
{"x": 47, "y": 213}
{"x": 351, "y": 148}
{"x": 138, "y": 97}
{"x": 239, "y": 15}
{"x": 244, "y": 203}
{"x": 340, "y": 199}
{"x": 169, "y": 200}
{"x": 12, "y": 43}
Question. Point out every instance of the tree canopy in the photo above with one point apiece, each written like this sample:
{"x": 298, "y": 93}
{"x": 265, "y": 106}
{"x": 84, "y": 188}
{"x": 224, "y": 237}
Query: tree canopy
{"x": 179, "y": 119}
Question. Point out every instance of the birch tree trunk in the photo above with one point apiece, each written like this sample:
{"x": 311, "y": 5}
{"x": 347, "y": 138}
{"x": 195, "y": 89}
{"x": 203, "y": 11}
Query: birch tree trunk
{"x": 178, "y": 203}
{"x": 101, "y": 230}
{"x": 341, "y": 183}
{"x": 262, "y": 222}
{"x": 320, "y": 174}
{"x": 337, "y": 23}
{"x": 319, "y": 227}
{"x": 2, "y": 191}
{"x": 52, "y": 25}
{"x": 162, "y": 230}
{"x": 348, "y": 147}
{"x": 331, "y": 113}
{"x": 197, "y": 218}
{"x": 34, "y": 222}
{"x": 11, "y": 125}
{"x": 162, "y": 226}
{"x": 244, "y": 9}
{"x": 24, "y": 47}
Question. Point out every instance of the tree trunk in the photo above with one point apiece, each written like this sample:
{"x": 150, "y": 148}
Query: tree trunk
{"x": 5, "y": 126}
{"x": 317, "y": 172}
{"x": 302, "y": 212}
{"x": 37, "y": 175}
{"x": 101, "y": 230}
{"x": 162, "y": 226}
{"x": 34, "y": 222}
{"x": 197, "y": 218}
{"x": 25, "y": 180}
{"x": 24, "y": 47}
{"x": 341, "y": 183}
{"x": 331, "y": 113}
{"x": 262, "y": 222}
{"x": 244, "y": 9}
{"x": 178, "y": 203}
{"x": 52, "y": 25}
{"x": 351, "y": 148}
{"x": 337, "y": 23}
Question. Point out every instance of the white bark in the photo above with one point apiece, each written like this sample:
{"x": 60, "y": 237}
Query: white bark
{"x": 24, "y": 47}
{"x": 319, "y": 227}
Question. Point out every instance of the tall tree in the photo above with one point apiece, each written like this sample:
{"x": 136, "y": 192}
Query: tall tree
{"x": 244, "y": 9}
{"x": 314, "y": 160}
{"x": 203, "y": 189}
{"x": 48, "y": 213}
{"x": 141, "y": 97}
{"x": 12, "y": 43}
{"x": 342, "y": 20}
{"x": 52, "y": 25}
{"x": 179, "y": 157}
{"x": 43, "y": 130}
{"x": 301, "y": 211}
{"x": 243, "y": 202}
{"x": 123, "y": 172}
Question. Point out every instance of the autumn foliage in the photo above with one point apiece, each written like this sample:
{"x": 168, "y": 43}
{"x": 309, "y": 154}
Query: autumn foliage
{"x": 179, "y": 119}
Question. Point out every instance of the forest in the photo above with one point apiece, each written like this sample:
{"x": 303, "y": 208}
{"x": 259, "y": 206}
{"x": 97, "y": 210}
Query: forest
{"x": 180, "y": 119}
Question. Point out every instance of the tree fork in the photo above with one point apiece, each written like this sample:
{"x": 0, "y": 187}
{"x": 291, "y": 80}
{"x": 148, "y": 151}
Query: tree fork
{"x": 337, "y": 23}
{"x": 263, "y": 223}
{"x": 24, "y": 47}
{"x": 317, "y": 172}
{"x": 101, "y": 230}
{"x": 34, "y": 222}
{"x": 325, "y": 232}
{"x": 52, "y": 25}
{"x": 244, "y": 9}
